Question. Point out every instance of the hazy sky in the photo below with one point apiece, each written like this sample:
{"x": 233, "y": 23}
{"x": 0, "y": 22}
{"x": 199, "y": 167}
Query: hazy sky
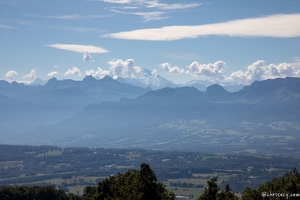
{"x": 222, "y": 41}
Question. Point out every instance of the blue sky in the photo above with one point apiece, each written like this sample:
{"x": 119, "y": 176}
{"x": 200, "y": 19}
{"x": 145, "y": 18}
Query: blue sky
{"x": 227, "y": 42}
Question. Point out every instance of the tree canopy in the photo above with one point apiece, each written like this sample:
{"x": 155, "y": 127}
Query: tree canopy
{"x": 143, "y": 184}
{"x": 285, "y": 187}
{"x": 212, "y": 192}
{"x": 133, "y": 185}
{"x": 35, "y": 192}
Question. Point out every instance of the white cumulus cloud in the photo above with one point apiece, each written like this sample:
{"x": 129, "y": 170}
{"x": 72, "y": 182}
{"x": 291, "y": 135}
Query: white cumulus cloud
{"x": 213, "y": 71}
{"x": 73, "y": 71}
{"x": 10, "y": 75}
{"x": 53, "y": 73}
{"x": 31, "y": 75}
{"x": 167, "y": 67}
{"x": 100, "y": 73}
{"x": 260, "y": 71}
{"x": 125, "y": 69}
{"x": 86, "y": 56}
{"x": 278, "y": 26}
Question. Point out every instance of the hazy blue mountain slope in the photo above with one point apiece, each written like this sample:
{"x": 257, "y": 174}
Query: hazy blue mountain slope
{"x": 222, "y": 109}
{"x": 14, "y": 88}
{"x": 23, "y": 108}
{"x": 217, "y": 93}
{"x": 276, "y": 99}
{"x": 195, "y": 84}
{"x": 15, "y": 117}
{"x": 271, "y": 90}
{"x": 105, "y": 89}
{"x": 109, "y": 118}
{"x": 266, "y": 112}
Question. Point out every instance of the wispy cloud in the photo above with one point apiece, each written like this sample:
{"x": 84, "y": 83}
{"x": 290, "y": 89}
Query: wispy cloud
{"x": 86, "y": 50}
{"x": 279, "y": 26}
{"x": 76, "y": 29}
{"x": 117, "y": 1}
{"x": 68, "y": 17}
{"x": 79, "y": 48}
{"x": 165, "y": 6}
{"x": 150, "y": 9}
{"x": 3, "y": 26}
{"x": 127, "y": 7}
{"x": 147, "y": 16}
{"x": 150, "y": 16}
{"x": 154, "y": 4}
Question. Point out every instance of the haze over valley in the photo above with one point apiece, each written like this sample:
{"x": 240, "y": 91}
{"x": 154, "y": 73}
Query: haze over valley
{"x": 258, "y": 119}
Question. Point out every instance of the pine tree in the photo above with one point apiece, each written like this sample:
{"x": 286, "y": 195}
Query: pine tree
{"x": 210, "y": 193}
{"x": 133, "y": 185}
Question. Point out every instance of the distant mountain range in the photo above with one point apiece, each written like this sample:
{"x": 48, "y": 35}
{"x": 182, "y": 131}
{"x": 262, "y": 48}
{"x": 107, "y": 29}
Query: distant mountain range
{"x": 155, "y": 81}
{"x": 26, "y": 107}
{"x": 148, "y": 79}
{"x": 110, "y": 113}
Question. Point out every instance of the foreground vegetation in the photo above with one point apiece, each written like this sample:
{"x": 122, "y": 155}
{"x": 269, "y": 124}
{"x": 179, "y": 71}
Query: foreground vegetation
{"x": 184, "y": 173}
{"x": 143, "y": 185}
{"x": 35, "y": 192}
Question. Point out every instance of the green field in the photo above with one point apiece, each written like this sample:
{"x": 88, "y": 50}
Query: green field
{"x": 188, "y": 192}
{"x": 69, "y": 167}
{"x": 189, "y": 180}
{"x": 78, "y": 189}
{"x": 51, "y": 153}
